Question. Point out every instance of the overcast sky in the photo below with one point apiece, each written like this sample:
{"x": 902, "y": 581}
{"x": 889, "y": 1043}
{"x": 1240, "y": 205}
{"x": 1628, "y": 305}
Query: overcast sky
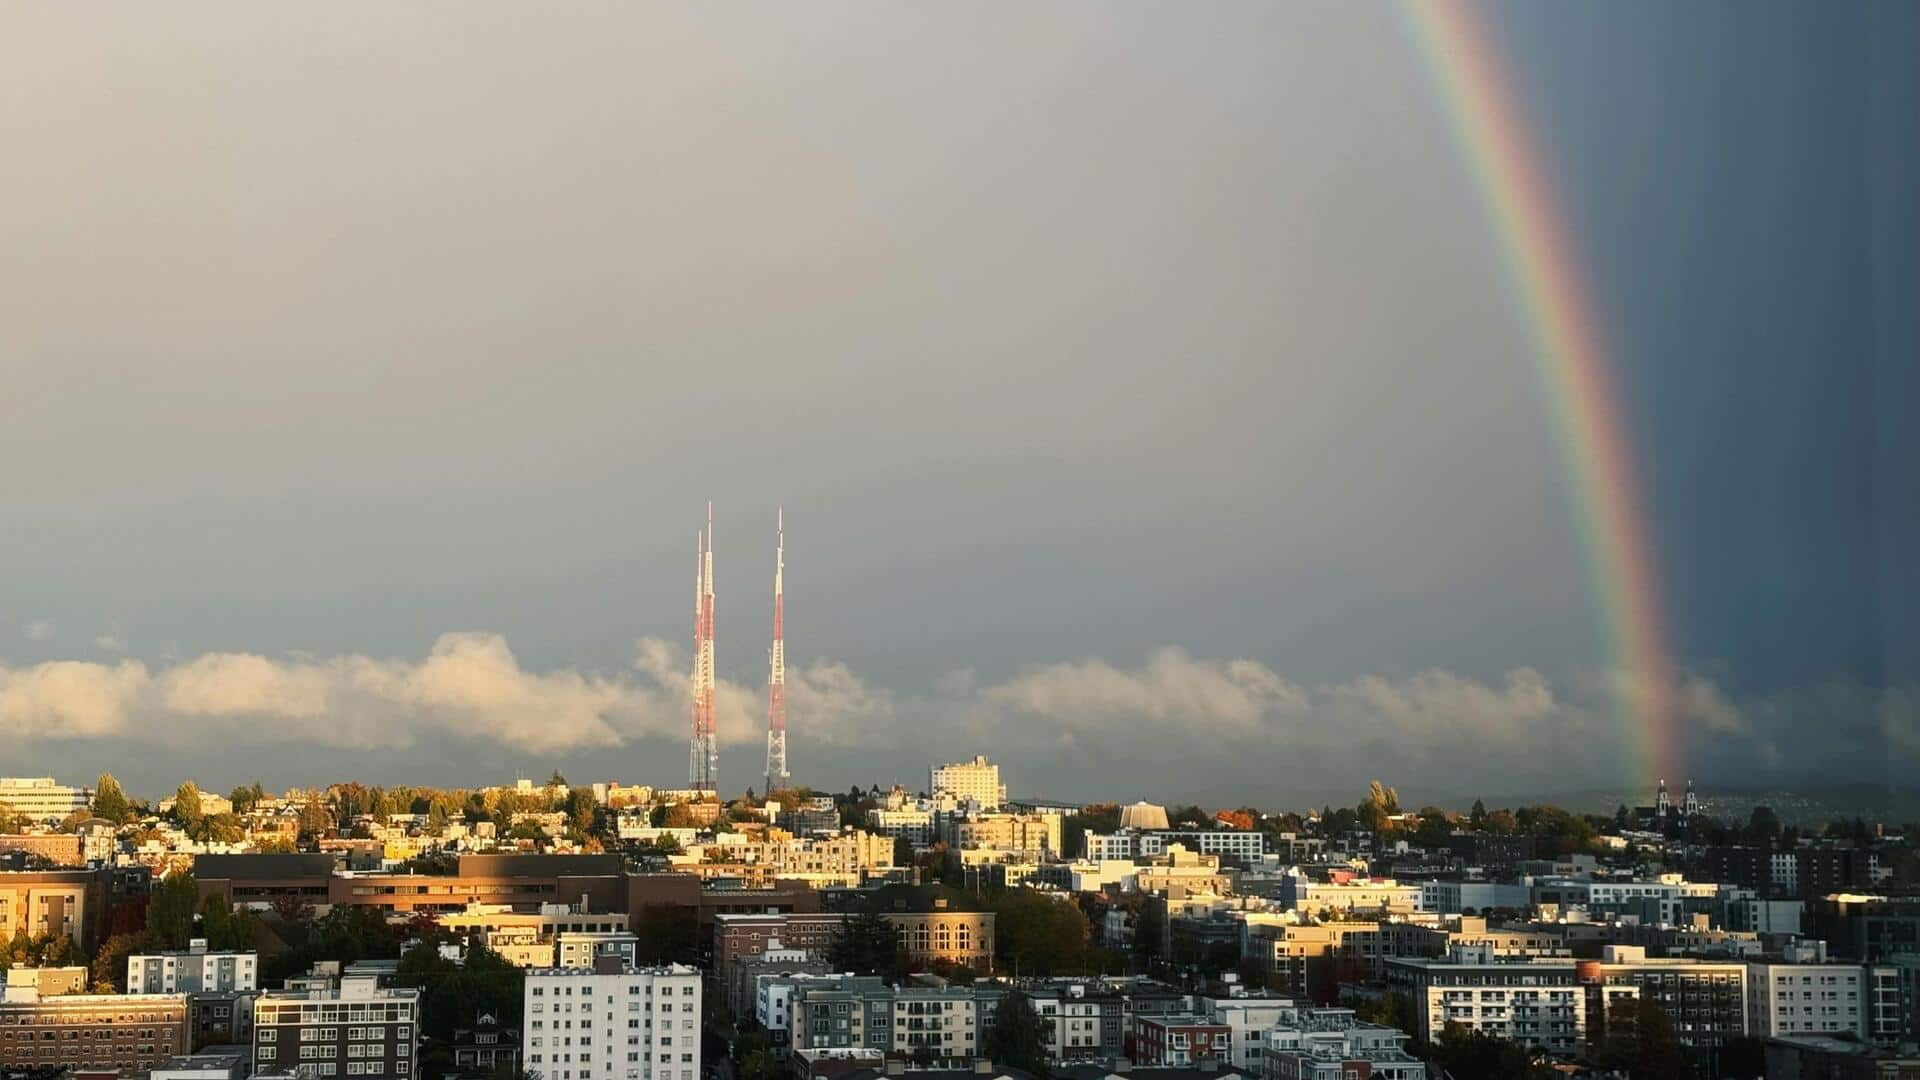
{"x": 1140, "y": 381}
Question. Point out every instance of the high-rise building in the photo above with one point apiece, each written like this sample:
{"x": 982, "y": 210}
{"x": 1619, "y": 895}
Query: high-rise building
{"x": 976, "y": 780}
{"x": 613, "y": 1022}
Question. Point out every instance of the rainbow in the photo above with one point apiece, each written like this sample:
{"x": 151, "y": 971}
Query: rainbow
{"x": 1543, "y": 270}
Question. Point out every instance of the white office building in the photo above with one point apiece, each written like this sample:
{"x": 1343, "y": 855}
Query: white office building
{"x": 613, "y": 1022}
{"x": 39, "y": 798}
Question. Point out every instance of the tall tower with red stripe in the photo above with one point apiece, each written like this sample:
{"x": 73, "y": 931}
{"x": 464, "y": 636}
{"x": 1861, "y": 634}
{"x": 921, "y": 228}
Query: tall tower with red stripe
{"x": 703, "y": 758}
{"x": 777, "y": 776}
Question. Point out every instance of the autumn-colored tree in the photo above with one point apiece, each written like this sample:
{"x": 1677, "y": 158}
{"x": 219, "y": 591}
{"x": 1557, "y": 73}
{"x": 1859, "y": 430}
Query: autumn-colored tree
{"x": 1234, "y": 819}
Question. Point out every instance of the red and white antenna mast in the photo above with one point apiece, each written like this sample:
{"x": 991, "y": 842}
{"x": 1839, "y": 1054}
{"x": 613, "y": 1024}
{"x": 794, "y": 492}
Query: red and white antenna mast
{"x": 778, "y": 778}
{"x": 703, "y": 758}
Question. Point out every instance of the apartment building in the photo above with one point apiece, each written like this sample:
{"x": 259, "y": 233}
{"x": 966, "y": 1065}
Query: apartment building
{"x": 1347, "y": 893}
{"x": 1078, "y": 1024}
{"x": 192, "y": 970}
{"x": 1248, "y": 1019}
{"x": 1332, "y": 1044}
{"x": 943, "y": 1023}
{"x": 1038, "y": 834}
{"x": 351, "y": 1028}
{"x": 529, "y": 938}
{"x": 914, "y": 824}
{"x": 1706, "y": 1000}
{"x": 55, "y": 902}
{"x": 124, "y": 1033}
{"x": 1535, "y": 1002}
{"x": 584, "y": 948}
{"x": 1180, "y": 1040}
{"x": 977, "y": 781}
{"x": 1793, "y": 999}
{"x": 771, "y": 998}
{"x": 613, "y": 1022}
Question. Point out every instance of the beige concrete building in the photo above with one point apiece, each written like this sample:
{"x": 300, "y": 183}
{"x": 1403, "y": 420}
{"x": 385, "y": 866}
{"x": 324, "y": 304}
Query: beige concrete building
{"x": 1036, "y": 833}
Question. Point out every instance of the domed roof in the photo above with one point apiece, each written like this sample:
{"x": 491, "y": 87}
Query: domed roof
{"x": 1143, "y": 815}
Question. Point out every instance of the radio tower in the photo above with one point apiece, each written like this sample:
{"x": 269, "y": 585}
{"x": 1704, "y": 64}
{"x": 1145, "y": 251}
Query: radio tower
{"x": 777, "y": 777}
{"x": 703, "y": 759}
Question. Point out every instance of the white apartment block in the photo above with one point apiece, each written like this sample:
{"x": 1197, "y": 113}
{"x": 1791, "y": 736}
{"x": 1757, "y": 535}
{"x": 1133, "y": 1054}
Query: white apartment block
{"x": 39, "y": 798}
{"x": 975, "y": 780}
{"x": 1533, "y": 1002}
{"x": 912, "y": 824}
{"x": 613, "y": 1022}
{"x": 1807, "y": 999}
{"x": 195, "y": 971}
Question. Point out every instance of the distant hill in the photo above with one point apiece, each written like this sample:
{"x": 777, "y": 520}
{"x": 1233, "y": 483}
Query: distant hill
{"x": 1813, "y": 804}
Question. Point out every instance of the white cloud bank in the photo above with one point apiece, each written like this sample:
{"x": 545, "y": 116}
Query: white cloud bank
{"x": 471, "y": 687}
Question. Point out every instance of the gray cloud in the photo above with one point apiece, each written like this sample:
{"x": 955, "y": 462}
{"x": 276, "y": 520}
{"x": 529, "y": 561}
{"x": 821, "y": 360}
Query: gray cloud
{"x": 470, "y": 688}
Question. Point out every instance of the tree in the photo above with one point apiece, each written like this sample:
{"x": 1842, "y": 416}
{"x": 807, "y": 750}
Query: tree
{"x": 1478, "y": 818}
{"x": 1743, "y": 1058}
{"x": 1148, "y": 926}
{"x": 1435, "y": 828}
{"x": 110, "y": 965}
{"x": 110, "y": 801}
{"x": 186, "y": 807}
{"x": 1235, "y": 819}
{"x": 1035, "y": 934}
{"x": 668, "y": 935}
{"x": 170, "y": 910}
{"x": 1640, "y": 1040}
{"x": 315, "y": 818}
{"x": 753, "y": 1056}
{"x": 1476, "y": 1055}
{"x": 1093, "y": 818}
{"x": 1017, "y": 1039}
{"x": 866, "y": 944}
{"x": 244, "y": 798}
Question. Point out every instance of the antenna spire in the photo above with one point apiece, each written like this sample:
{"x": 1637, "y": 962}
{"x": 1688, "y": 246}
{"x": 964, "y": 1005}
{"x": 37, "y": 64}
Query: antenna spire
{"x": 703, "y": 756}
{"x": 778, "y": 778}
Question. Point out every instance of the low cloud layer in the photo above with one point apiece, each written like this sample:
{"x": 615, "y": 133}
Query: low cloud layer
{"x": 1237, "y": 715}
